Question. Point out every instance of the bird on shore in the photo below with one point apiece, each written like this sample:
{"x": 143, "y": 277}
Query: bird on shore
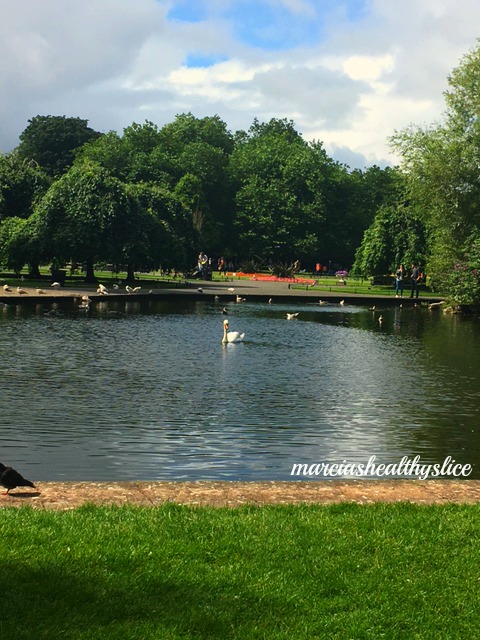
{"x": 10, "y": 478}
{"x": 21, "y": 292}
{"x": 292, "y": 316}
{"x": 115, "y": 286}
{"x": 102, "y": 290}
{"x": 200, "y": 290}
{"x": 435, "y": 305}
{"x": 231, "y": 289}
{"x": 56, "y": 285}
{"x": 7, "y": 288}
{"x": 40, "y": 292}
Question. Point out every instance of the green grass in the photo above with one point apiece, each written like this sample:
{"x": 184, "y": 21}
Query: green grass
{"x": 290, "y": 572}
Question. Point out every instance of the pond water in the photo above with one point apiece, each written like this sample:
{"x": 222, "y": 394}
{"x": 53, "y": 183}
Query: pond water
{"x": 145, "y": 390}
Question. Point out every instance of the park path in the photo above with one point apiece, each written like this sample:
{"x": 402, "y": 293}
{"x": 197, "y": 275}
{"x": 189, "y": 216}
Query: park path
{"x": 62, "y": 496}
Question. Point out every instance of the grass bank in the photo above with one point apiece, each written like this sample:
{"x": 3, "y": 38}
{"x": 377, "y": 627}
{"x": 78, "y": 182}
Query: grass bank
{"x": 284, "y": 572}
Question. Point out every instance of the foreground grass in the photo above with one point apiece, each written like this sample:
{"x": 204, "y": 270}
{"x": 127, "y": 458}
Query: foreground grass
{"x": 345, "y": 571}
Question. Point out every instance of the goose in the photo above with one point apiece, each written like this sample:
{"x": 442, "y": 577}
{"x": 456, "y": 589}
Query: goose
{"x": 7, "y": 288}
{"x": 292, "y": 316}
{"x": 231, "y": 336}
{"x": 21, "y": 291}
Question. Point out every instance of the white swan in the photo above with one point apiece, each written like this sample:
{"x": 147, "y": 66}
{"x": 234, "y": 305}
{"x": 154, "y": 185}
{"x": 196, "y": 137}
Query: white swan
{"x": 292, "y": 316}
{"x": 231, "y": 336}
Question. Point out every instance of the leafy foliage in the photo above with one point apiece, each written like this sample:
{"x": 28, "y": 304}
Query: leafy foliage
{"x": 52, "y": 140}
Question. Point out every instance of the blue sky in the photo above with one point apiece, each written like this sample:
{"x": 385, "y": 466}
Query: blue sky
{"x": 347, "y": 72}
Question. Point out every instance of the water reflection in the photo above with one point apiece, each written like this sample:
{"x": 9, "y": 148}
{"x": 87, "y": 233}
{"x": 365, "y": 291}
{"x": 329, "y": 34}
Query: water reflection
{"x": 145, "y": 390}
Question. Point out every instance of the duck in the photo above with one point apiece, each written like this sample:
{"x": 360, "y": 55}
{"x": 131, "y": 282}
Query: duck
{"x": 21, "y": 291}
{"x": 322, "y": 302}
{"x": 231, "y": 336}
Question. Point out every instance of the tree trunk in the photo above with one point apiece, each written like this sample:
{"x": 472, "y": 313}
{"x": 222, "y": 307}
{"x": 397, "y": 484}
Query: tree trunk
{"x": 89, "y": 272}
{"x": 130, "y": 272}
{"x": 34, "y": 271}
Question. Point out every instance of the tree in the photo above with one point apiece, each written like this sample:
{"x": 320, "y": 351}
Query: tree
{"x": 88, "y": 216}
{"x": 395, "y": 236}
{"x": 441, "y": 164}
{"x": 22, "y": 183}
{"x": 52, "y": 141}
{"x": 280, "y": 201}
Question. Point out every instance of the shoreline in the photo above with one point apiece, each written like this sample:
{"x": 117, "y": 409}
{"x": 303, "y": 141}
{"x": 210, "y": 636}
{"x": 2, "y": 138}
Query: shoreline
{"x": 64, "y": 496}
{"x": 253, "y": 290}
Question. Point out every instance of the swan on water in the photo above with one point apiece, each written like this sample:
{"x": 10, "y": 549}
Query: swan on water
{"x": 292, "y": 316}
{"x": 231, "y": 336}
{"x": 342, "y": 302}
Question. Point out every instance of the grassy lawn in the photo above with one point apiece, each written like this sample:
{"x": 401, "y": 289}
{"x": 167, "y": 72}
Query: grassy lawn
{"x": 288, "y": 572}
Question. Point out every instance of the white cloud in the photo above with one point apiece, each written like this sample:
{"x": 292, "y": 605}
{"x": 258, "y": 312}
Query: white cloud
{"x": 116, "y": 62}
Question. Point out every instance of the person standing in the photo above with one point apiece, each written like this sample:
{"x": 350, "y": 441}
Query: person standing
{"x": 399, "y": 276}
{"x": 415, "y": 279}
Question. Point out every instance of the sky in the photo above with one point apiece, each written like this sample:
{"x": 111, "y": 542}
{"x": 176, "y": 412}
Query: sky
{"x": 348, "y": 73}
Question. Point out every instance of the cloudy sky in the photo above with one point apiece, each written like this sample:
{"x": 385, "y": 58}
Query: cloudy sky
{"x": 347, "y": 72}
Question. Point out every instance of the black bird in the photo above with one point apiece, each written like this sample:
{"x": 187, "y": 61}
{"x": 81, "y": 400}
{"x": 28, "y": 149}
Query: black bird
{"x": 10, "y": 478}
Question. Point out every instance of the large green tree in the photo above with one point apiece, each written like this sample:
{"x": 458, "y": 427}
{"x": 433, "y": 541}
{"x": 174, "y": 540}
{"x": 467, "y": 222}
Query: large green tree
{"x": 89, "y": 216}
{"x": 22, "y": 183}
{"x": 52, "y": 141}
{"x": 442, "y": 163}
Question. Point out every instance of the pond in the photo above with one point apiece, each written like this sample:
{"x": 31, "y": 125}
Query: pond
{"x": 146, "y": 391}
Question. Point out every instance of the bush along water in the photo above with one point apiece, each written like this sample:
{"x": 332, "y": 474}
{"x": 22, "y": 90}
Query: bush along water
{"x": 463, "y": 281}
